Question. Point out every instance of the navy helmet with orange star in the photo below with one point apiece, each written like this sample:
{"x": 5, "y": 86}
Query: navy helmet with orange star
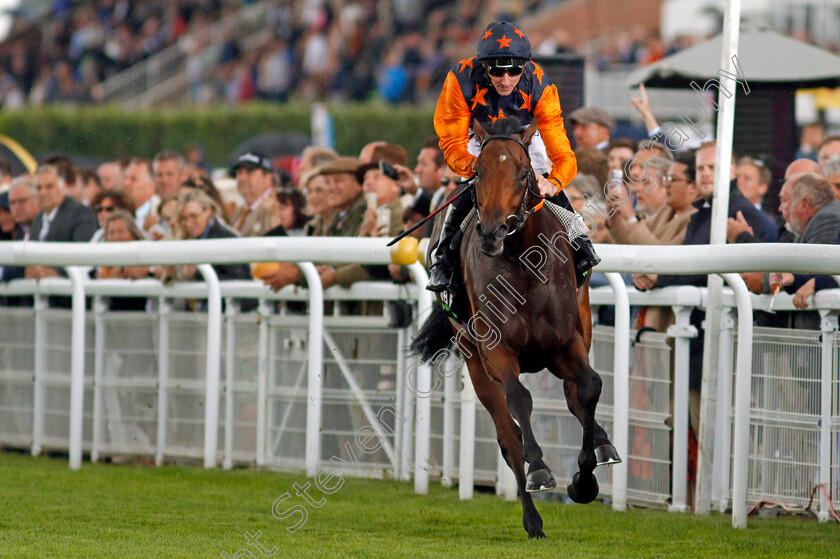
{"x": 503, "y": 46}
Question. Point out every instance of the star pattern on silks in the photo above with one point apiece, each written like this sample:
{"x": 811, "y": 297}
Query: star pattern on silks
{"x": 504, "y": 42}
{"x": 479, "y": 98}
{"x": 501, "y": 115}
{"x": 527, "y": 101}
{"x": 465, "y": 63}
{"x": 487, "y": 35}
{"x": 538, "y": 71}
{"x": 519, "y": 32}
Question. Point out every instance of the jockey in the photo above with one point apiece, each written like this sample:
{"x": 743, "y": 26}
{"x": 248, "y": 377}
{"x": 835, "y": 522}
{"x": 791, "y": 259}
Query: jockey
{"x": 501, "y": 81}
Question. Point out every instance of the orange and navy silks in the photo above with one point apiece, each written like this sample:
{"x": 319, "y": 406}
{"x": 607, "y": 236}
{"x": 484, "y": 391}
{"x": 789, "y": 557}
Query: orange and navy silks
{"x": 468, "y": 94}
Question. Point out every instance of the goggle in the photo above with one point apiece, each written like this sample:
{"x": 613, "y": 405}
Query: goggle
{"x": 498, "y": 72}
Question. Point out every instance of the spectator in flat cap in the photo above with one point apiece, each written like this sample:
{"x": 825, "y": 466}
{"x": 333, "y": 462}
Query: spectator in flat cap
{"x": 253, "y": 180}
{"x": 593, "y": 127}
{"x": 344, "y": 195}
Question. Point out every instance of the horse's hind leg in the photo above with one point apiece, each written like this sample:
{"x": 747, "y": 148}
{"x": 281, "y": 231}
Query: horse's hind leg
{"x": 582, "y": 386}
{"x": 510, "y": 441}
{"x": 503, "y": 367}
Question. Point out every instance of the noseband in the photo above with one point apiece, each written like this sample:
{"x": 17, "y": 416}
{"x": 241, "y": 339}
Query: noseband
{"x": 522, "y": 214}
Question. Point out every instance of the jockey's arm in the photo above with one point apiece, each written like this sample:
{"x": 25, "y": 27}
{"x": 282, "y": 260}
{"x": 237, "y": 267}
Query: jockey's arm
{"x": 452, "y": 125}
{"x": 550, "y": 124}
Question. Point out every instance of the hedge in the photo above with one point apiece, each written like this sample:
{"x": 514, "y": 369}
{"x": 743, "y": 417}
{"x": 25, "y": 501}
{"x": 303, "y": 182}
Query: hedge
{"x": 109, "y": 132}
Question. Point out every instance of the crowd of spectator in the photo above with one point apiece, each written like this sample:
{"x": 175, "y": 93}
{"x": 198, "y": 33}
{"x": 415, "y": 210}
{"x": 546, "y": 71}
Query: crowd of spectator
{"x": 398, "y": 51}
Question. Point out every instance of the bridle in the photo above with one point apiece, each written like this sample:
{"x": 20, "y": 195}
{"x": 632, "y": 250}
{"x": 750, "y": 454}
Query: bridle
{"x": 522, "y": 214}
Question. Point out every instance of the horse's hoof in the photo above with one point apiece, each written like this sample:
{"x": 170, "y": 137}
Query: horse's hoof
{"x": 540, "y": 480}
{"x": 582, "y": 494}
{"x": 606, "y": 454}
{"x": 536, "y": 534}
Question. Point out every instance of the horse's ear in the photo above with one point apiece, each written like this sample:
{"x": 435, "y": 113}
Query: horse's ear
{"x": 528, "y": 133}
{"x": 479, "y": 131}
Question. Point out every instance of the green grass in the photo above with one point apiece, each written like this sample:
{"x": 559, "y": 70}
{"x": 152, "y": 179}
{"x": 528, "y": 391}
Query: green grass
{"x": 130, "y": 511}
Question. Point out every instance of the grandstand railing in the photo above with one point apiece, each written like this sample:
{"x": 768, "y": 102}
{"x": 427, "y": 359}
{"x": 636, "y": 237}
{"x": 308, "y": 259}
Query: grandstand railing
{"x": 162, "y": 79}
{"x": 819, "y": 259}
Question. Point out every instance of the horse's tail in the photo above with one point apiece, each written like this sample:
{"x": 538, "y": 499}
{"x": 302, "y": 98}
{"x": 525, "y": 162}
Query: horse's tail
{"x": 433, "y": 336}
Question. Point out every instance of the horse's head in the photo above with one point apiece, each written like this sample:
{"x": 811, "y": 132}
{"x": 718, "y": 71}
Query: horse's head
{"x": 503, "y": 179}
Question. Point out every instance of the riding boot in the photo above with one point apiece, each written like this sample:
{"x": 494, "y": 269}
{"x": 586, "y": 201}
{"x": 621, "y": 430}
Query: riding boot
{"x": 583, "y": 253}
{"x": 443, "y": 256}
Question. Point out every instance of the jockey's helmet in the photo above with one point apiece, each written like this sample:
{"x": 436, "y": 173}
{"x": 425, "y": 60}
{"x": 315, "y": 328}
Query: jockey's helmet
{"x": 503, "y": 46}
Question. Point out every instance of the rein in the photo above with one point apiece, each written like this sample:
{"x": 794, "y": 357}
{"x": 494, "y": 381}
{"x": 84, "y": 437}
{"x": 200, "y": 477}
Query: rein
{"x": 522, "y": 214}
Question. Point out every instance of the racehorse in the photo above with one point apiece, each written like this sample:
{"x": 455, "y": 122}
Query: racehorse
{"x": 550, "y": 329}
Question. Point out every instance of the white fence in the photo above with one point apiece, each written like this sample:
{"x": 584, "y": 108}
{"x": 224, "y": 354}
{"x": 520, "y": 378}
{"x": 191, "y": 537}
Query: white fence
{"x": 264, "y": 357}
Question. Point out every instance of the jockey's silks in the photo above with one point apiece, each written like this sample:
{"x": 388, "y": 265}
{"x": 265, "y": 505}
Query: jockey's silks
{"x": 468, "y": 94}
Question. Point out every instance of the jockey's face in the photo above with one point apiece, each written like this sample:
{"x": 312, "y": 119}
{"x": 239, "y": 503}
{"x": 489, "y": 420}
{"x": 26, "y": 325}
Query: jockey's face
{"x": 505, "y": 84}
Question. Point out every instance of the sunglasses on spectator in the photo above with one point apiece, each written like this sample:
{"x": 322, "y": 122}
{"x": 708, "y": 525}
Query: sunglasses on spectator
{"x": 499, "y": 72}
{"x": 108, "y": 209}
{"x": 668, "y": 179}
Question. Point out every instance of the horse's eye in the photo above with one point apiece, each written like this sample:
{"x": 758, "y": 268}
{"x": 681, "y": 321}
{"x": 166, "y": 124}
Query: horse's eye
{"x": 523, "y": 176}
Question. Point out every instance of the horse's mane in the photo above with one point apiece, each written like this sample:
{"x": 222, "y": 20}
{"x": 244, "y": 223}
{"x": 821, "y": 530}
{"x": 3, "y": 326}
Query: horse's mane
{"x": 504, "y": 127}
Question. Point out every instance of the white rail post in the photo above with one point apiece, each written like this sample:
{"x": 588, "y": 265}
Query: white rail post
{"x": 506, "y": 484}
{"x": 424, "y": 389}
{"x": 727, "y": 91}
{"x": 77, "y": 366}
{"x": 315, "y": 355}
{"x": 99, "y": 309}
{"x": 621, "y": 390}
{"x": 681, "y": 331}
{"x": 407, "y": 425}
{"x": 743, "y": 381}
{"x": 399, "y": 396}
{"x": 828, "y": 326}
{"x": 723, "y": 440}
{"x": 262, "y": 382}
{"x": 466, "y": 464}
{"x": 230, "y": 378}
{"x": 39, "y": 361}
{"x": 164, "y": 308}
{"x": 214, "y": 342}
{"x": 448, "y": 466}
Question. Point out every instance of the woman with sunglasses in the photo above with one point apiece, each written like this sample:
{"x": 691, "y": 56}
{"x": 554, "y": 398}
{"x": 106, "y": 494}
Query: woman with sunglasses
{"x": 104, "y": 205}
{"x": 501, "y": 81}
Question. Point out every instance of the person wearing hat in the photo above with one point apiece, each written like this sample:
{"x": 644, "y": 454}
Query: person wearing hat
{"x": 501, "y": 81}
{"x": 381, "y": 190}
{"x": 253, "y": 180}
{"x": 344, "y": 196}
{"x": 593, "y": 127}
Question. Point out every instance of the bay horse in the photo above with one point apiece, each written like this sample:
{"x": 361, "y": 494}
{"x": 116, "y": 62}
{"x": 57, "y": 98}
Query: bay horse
{"x": 549, "y": 328}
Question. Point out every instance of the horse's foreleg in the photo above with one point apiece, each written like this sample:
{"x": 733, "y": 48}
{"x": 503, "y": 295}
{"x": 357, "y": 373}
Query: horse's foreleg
{"x": 503, "y": 366}
{"x": 605, "y": 452}
{"x": 582, "y": 386}
{"x": 510, "y": 441}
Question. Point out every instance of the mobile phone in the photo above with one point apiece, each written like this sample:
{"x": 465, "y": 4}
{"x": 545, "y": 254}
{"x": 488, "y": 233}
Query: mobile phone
{"x": 388, "y": 171}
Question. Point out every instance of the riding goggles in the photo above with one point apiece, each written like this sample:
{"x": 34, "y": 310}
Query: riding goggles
{"x": 498, "y": 72}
